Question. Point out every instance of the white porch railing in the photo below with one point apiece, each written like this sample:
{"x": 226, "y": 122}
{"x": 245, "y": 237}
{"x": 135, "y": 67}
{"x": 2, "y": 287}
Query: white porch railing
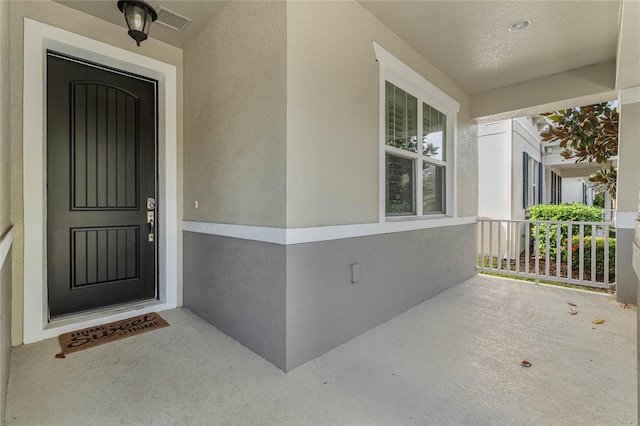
{"x": 548, "y": 250}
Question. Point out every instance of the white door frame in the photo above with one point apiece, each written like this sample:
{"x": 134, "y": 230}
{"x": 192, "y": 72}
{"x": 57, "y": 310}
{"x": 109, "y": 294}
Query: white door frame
{"x": 39, "y": 37}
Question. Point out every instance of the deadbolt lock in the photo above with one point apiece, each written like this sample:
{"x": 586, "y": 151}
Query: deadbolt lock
{"x": 151, "y": 203}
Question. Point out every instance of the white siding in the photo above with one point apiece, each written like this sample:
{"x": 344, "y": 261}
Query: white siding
{"x": 494, "y": 177}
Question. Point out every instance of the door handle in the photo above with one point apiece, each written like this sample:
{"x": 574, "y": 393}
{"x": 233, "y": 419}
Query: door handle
{"x": 151, "y": 225}
{"x": 151, "y": 218}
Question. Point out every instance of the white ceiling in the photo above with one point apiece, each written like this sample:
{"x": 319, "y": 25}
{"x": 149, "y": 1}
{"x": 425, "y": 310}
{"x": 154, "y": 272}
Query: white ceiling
{"x": 199, "y": 12}
{"x": 467, "y": 40}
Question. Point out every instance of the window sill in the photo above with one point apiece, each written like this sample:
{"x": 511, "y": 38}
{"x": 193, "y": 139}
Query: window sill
{"x": 411, "y": 223}
{"x": 416, "y": 218}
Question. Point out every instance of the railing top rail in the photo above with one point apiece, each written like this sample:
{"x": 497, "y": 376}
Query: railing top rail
{"x": 544, "y": 221}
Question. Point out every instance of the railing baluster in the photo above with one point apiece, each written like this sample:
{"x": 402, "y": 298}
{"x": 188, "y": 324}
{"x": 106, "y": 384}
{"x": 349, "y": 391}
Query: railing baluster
{"x": 537, "y": 251}
{"x": 508, "y": 263}
{"x": 606, "y": 254}
{"x": 499, "y": 245}
{"x": 569, "y": 251}
{"x": 527, "y": 243}
{"x": 581, "y": 265}
{"x": 558, "y": 249}
{"x": 491, "y": 245}
{"x": 547, "y": 251}
{"x": 482, "y": 242}
{"x": 594, "y": 247}
{"x": 518, "y": 234}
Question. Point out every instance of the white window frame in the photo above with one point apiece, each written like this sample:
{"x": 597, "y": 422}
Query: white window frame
{"x": 402, "y": 76}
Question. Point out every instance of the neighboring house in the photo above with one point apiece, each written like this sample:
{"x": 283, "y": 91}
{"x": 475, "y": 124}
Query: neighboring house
{"x": 510, "y": 169}
{"x": 517, "y": 171}
{"x": 577, "y": 190}
{"x": 575, "y": 176}
{"x": 317, "y": 162}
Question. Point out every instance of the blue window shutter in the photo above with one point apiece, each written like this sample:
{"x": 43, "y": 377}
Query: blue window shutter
{"x": 540, "y": 183}
{"x": 559, "y": 190}
{"x": 525, "y": 180}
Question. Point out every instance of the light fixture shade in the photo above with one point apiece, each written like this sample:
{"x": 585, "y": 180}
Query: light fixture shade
{"x": 139, "y": 16}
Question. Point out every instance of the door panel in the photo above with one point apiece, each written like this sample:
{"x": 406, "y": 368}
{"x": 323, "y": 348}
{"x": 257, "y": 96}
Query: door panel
{"x": 104, "y": 169}
{"x": 101, "y": 168}
{"x": 101, "y": 255}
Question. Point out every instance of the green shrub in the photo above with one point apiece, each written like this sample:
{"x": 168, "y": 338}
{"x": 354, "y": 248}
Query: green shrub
{"x": 561, "y": 212}
{"x": 575, "y": 255}
{"x": 574, "y": 211}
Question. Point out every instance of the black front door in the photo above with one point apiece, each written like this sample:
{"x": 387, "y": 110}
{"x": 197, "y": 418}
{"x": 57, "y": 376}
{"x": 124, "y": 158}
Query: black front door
{"x": 101, "y": 186}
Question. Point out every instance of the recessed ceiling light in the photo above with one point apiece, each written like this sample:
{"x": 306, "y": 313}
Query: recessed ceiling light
{"x": 520, "y": 25}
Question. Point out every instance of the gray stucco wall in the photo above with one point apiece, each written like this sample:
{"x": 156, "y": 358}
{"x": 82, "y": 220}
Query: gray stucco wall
{"x": 628, "y": 157}
{"x": 5, "y": 115}
{"x": 239, "y": 287}
{"x": 636, "y": 267}
{"x": 398, "y": 271}
{"x": 626, "y": 278}
{"x": 5, "y": 200}
{"x": 279, "y": 80}
{"x": 333, "y": 113}
{"x": 5, "y": 329}
{"x": 235, "y": 117}
{"x": 291, "y": 304}
{"x": 467, "y": 167}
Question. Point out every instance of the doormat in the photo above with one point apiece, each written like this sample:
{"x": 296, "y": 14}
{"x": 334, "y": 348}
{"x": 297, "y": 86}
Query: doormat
{"x": 94, "y": 336}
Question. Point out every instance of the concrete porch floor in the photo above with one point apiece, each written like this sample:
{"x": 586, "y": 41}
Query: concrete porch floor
{"x": 454, "y": 359}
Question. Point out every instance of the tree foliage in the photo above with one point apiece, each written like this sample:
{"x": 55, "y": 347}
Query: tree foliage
{"x": 605, "y": 180}
{"x": 588, "y": 133}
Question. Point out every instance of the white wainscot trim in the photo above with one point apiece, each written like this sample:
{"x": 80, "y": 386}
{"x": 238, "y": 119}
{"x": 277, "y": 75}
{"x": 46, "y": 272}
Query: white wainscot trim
{"x": 5, "y": 245}
{"x": 626, "y": 220}
{"x": 243, "y": 232}
{"x": 321, "y": 233}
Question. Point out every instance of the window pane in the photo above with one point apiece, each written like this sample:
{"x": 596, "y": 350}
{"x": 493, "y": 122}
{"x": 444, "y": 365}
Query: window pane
{"x": 401, "y": 124}
{"x": 432, "y": 189}
{"x": 399, "y": 185}
{"x": 434, "y": 127}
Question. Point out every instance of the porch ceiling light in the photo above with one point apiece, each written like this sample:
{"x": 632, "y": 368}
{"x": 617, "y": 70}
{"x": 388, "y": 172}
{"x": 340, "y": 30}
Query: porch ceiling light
{"x": 520, "y": 25}
{"x": 139, "y": 16}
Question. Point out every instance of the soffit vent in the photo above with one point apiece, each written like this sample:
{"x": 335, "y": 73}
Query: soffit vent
{"x": 171, "y": 19}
